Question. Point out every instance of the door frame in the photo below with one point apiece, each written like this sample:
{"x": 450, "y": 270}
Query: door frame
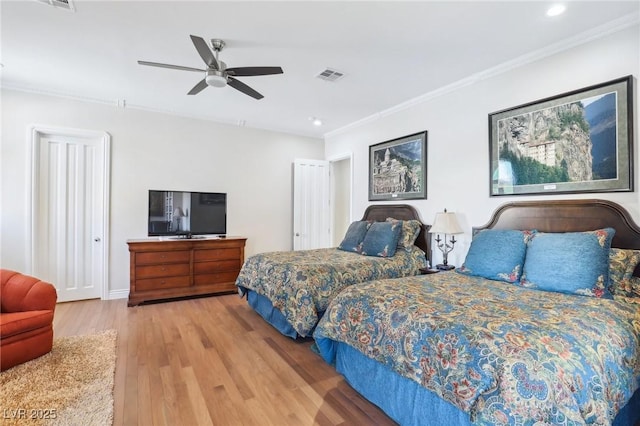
{"x": 332, "y": 197}
{"x": 34, "y": 134}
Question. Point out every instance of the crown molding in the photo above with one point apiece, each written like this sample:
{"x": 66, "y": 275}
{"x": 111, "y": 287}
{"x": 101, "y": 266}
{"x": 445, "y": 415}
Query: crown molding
{"x": 121, "y": 103}
{"x": 595, "y": 33}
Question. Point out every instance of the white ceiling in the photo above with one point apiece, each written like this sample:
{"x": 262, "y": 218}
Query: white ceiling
{"x": 390, "y": 51}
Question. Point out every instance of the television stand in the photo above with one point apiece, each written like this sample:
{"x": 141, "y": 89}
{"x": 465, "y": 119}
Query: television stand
{"x": 163, "y": 269}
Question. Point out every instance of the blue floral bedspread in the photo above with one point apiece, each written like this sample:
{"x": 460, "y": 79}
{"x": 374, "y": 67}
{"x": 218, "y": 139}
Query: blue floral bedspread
{"x": 502, "y": 353}
{"x": 301, "y": 283}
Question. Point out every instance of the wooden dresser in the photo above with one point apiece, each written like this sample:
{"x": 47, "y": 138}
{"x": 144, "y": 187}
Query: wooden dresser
{"x": 165, "y": 269}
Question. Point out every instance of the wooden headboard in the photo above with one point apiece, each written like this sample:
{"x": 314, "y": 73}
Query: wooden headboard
{"x": 380, "y": 213}
{"x": 568, "y": 216}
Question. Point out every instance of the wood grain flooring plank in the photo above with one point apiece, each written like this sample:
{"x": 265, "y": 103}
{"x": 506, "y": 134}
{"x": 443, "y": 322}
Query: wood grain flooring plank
{"x": 224, "y": 412}
{"x": 289, "y": 361}
{"x": 324, "y": 411}
{"x": 237, "y": 315}
{"x": 198, "y": 402}
{"x": 144, "y": 402}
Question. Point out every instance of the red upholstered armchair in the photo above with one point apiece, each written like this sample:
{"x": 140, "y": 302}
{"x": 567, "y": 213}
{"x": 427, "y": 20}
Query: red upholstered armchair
{"x": 26, "y": 318}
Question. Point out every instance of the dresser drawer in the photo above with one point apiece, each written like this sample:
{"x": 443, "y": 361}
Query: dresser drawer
{"x": 168, "y": 270}
{"x": 214, "y": 267}
{"x": 161, "y": 283}
{"x": 155, "y": 257}
{"x": 216, "y": 254}
{"x": 220, "y": 277}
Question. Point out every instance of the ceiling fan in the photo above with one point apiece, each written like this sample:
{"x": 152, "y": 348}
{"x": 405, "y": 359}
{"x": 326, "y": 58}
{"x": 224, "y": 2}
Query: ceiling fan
{"x": 217, "y": 74}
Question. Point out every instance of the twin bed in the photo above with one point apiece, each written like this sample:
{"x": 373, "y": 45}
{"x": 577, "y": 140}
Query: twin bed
{"x": 291, "y": 290}
{"x": 460, "y": 349}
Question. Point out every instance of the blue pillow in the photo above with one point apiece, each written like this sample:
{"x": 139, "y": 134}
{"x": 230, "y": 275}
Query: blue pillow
{"x": 497, "y": 254}
{"x": 382, "y": 239}
{"x": 572, "y": 262}
{"x": 353, "y": 238}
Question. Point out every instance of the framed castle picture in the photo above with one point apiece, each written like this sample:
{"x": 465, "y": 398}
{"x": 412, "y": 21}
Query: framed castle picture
{"x": 398, "y": 169}
{"x": 581, "y": 141}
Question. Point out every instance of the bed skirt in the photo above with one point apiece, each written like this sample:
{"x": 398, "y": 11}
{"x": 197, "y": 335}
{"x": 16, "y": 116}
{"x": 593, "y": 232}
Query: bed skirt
{"x": 273, "y": 316}
{"x": 413, "y": 404}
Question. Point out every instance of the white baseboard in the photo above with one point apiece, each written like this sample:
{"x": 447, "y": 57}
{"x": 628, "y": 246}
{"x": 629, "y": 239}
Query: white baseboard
{"x": 118, "y": 294}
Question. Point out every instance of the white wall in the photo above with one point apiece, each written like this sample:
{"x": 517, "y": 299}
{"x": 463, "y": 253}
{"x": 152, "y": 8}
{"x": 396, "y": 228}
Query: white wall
{"x": 156, "y": 151}
{"x": 457, "y": 122}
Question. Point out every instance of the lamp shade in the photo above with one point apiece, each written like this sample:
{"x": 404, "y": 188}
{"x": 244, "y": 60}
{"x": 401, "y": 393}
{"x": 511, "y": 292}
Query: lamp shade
{"x": 177, "y": 212}
{"x": 445, "y": 223}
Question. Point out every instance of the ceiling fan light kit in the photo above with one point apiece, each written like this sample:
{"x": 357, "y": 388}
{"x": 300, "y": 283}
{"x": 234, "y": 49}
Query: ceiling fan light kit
{"x": 217, "y": 74}
{"x": 215, "y": 78}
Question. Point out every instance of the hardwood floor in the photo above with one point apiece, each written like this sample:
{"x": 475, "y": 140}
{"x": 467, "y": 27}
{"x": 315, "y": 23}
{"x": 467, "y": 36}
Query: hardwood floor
{"x": 213, "y": 361}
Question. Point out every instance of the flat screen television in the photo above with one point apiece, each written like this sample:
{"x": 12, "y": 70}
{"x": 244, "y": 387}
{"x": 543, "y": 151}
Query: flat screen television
{"x": 184, "y": 213}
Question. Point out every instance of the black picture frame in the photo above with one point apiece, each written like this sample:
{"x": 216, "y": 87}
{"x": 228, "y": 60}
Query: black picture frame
{"x": 579, "y": 141}
{"x": 398, "y": 168}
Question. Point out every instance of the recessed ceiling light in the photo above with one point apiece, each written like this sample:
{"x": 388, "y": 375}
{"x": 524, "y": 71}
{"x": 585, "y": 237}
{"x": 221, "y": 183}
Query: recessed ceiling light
{"x": 556, "y": 9}
{"x": 316, "y": 121}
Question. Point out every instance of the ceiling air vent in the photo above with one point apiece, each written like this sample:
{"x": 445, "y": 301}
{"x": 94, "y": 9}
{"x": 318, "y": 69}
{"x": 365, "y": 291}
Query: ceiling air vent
{"x": 330, "y": 75}
{"x": 62, "y": 4}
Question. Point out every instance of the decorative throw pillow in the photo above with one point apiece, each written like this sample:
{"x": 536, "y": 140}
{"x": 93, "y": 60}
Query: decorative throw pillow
{"x": 497, "y": 254}
{"x": 355, "y": 235}
{"x": 408, "y": 233}
{"x": 622, "y": 263}
{"x": 381, "y": 239}
{"x": 633, "y": 288}
{"x": 571, "y": 262}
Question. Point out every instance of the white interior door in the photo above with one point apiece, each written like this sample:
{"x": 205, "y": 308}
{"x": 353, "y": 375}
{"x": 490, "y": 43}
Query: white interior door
{"x": 69, "y": 211}
{"x": 311, "y": 205}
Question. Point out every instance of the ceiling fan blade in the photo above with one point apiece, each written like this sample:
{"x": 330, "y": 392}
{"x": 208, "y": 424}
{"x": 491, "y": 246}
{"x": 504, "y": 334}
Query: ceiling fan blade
{"x": 238, "y": 85}
{"x": 202, "y": 84}
{"x": 173, "y": 67}
{"x": 251, "y": 71}
{"x": 205, "y": 52}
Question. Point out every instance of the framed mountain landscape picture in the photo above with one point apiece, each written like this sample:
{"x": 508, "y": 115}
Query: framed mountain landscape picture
{"x": 581, "y": 141}
{"x": 398, "y": 169}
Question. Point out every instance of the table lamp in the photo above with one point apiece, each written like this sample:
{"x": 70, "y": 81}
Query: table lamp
{"x": 447, "y": 224}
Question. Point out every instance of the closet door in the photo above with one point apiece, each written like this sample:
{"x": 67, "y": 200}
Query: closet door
{"x": 311, "y": 205}
{"x": 69, "y": 211}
